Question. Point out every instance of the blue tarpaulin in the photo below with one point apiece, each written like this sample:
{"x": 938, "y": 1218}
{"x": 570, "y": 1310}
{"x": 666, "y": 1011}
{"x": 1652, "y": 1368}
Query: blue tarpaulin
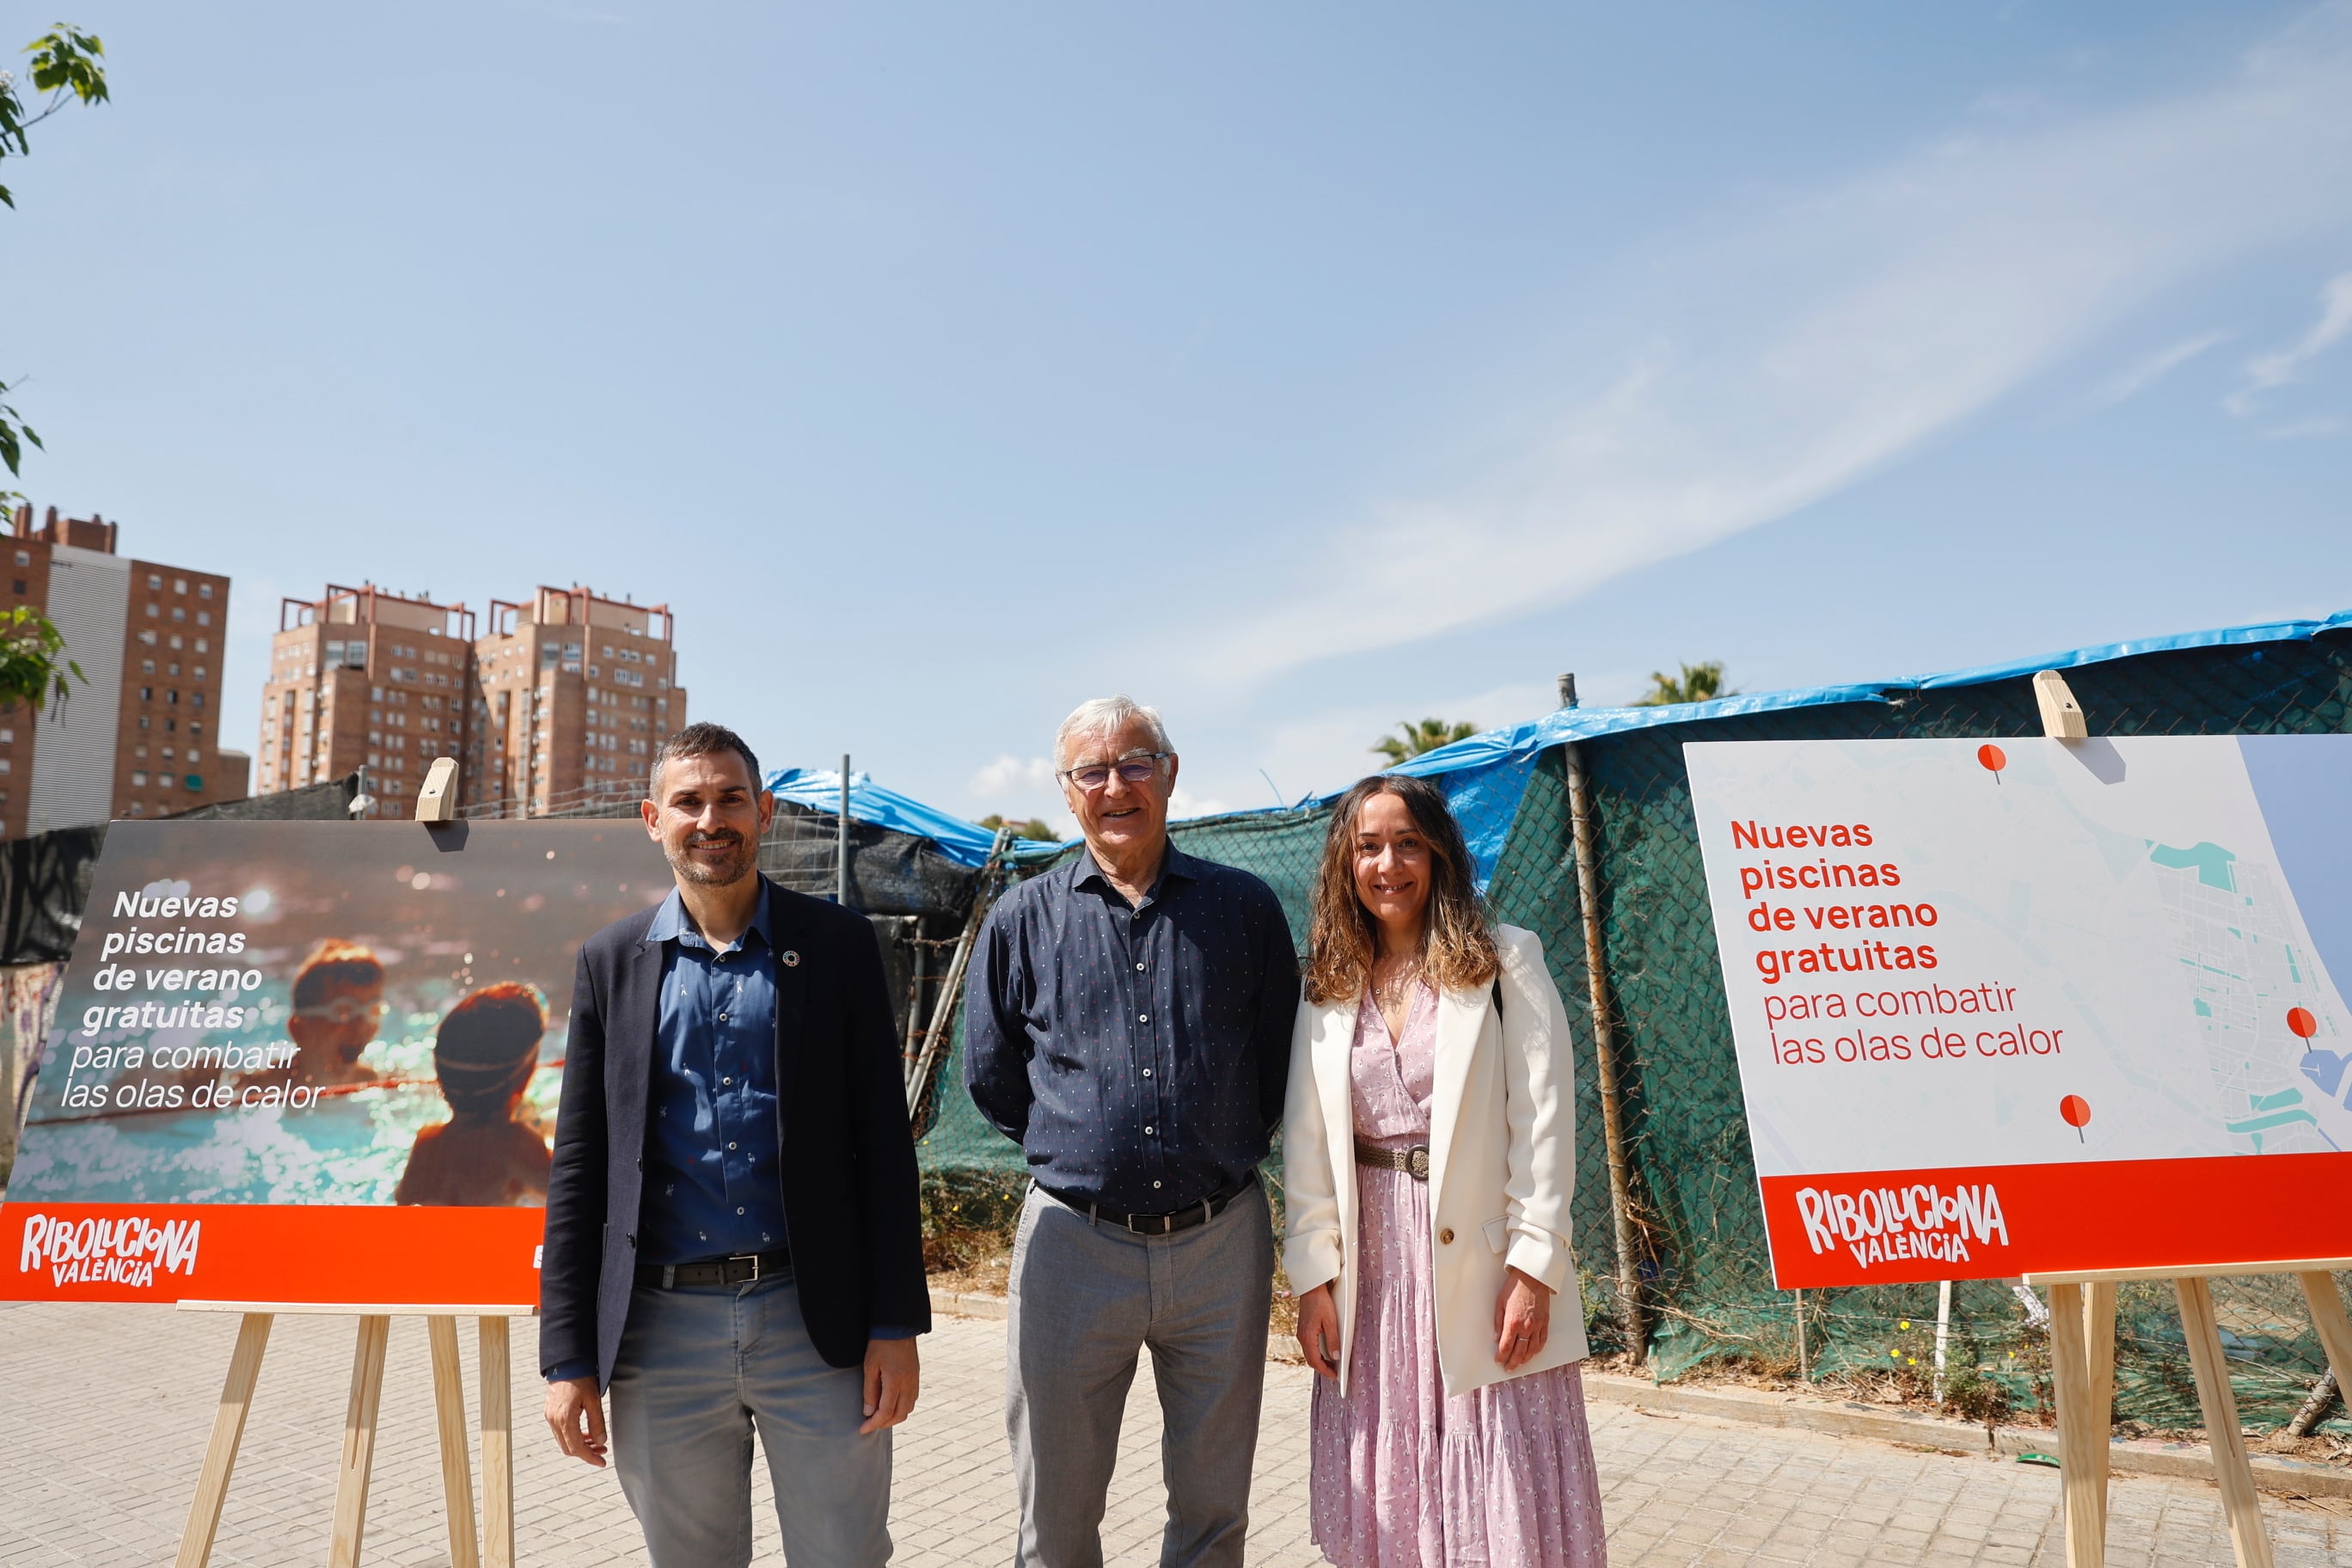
{"x": 819, "y": 789}
{"x": 1486, "y": 775}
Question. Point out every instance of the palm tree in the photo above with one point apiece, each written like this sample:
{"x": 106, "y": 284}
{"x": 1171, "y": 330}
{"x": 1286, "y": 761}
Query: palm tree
{"x": 1697, "y": 683}
{"x": 1425, "y": 736}
{"x": 1035, "y": 829}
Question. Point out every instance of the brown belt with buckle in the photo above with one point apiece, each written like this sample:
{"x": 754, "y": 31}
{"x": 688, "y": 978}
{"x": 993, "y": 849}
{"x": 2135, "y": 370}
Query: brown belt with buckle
{"x": 1413, "y": 1162}
{"x": 735, "y": 1270}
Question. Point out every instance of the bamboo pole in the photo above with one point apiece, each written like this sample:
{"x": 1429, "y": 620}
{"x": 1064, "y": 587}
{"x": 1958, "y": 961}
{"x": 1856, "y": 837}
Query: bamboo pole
{"x": 1604, "y": 1039}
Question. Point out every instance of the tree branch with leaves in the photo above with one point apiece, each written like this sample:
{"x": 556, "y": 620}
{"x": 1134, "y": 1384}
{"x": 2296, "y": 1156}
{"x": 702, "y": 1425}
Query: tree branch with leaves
{"x": 68, "y": 64}
{"x": 1700, "y": 682}
{"x": 1412, "y": 741}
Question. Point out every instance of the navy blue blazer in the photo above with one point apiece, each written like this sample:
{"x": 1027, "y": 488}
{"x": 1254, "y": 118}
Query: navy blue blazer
{"x": 845, "y": 1160}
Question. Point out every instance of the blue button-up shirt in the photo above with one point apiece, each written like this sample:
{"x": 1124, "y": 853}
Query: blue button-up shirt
{"x": 714, "y": 1127}
{"x": 712, "y": 1133}
{"x": 1137, "y": 1054}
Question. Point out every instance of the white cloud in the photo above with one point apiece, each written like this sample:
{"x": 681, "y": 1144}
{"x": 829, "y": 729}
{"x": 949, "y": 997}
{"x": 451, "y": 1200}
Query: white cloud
{"x": 1009, "y": 774}
{"x": 1182, "y": 803}
{"x": 2146, "y": 372}
{"x": 1789, "y": 357}
{"x": 2268, "y": 371}
{"x": 2305, "y": 429}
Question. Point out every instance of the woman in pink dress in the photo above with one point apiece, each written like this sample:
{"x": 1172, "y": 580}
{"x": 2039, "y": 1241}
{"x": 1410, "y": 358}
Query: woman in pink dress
{"x": 1429, "y": 1158}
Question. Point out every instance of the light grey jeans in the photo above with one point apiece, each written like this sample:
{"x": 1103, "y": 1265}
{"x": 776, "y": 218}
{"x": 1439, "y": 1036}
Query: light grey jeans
{"x": 698, "y": 1369}
{"x": 1085, "y": 1299}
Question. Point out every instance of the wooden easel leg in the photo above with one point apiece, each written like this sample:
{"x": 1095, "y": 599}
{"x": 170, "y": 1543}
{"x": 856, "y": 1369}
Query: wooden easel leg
{"x": 2236, "y": 1476}
{"x": 2334, "y": 1327}
{"x": 456, "y": 1471}
{"x": 497, "y": 1447}
{"x": 228, "y": 1431}
{"x": 2082, "y": 1469}
{"x": 2099, "y": 1343}
{"x": 358, "y": 1443}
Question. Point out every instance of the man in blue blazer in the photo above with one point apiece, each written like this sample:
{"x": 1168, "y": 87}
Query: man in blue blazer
{"x": 734, "y": 1234}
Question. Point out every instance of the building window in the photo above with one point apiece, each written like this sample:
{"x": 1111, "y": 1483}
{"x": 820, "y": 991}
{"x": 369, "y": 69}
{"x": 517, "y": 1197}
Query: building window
{"x": 203, "y": 645}
{"x": 204, "y": 590}
{"x": 153, "y": 610}
{"x": 155, "y": 584}
{"x": 137, "y": 808}
{"x": 24, "y": 558}
{"x": 195, "y": 783}
{"x": 139, "y": 779}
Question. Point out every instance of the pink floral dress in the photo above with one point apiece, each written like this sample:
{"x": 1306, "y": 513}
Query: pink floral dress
{"x": 1401, "y": 1476}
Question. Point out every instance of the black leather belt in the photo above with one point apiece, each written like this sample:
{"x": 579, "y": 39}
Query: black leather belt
{"x": 735, "y": 1270}
{"x": 1167, "y": 1224}
{"x": 1413, "y": 1162}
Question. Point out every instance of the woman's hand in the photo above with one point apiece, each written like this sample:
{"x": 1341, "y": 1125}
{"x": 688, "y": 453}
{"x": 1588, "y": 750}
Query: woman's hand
{"x": 1319, "y": 1330}
{"x": 1522, "y": 1320}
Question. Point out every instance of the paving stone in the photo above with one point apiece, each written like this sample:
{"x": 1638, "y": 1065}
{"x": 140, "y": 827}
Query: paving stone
{"x": 110, "y": 1408}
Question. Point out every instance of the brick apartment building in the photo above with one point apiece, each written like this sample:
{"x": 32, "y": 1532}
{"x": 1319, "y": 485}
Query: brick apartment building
{"x": 576, "y": 691}
{"x": 561, "y": 702}
{"x": 365, "y": 678}
{"x": 140, "y": 734}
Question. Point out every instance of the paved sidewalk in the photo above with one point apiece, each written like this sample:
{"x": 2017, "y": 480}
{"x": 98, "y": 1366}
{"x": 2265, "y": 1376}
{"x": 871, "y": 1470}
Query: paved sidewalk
{"x": 108, "y": 1408}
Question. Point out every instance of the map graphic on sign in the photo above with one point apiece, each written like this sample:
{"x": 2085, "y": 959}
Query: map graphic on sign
{"x": 2040, "y": 1005}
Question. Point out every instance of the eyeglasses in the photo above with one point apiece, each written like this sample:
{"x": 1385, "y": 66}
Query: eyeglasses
{"x": 343, "y": 1010}
{"x": 1135, "y": 770}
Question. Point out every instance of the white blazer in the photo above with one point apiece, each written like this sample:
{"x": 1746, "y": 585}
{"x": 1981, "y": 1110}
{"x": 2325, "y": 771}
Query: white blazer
{"x": 1502, "y": 1164}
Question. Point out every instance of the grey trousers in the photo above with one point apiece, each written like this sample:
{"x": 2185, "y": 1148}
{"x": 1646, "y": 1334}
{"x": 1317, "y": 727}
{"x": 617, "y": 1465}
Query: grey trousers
{"x": 1084, "y": 1298}
{"x": 699, "y": 1369}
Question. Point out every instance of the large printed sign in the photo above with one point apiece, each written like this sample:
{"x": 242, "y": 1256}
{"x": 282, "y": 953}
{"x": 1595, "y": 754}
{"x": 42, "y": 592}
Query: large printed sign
{"x": 2032, "y": 1005}
{"x": 311, "y": 1061}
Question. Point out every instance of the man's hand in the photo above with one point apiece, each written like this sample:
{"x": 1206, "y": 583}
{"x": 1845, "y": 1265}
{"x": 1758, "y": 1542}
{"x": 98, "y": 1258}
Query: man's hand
{"x": 1522, "y": 1319}
{"x": 1319, "y": 1330}
{"x": 892, "y": 1379}
{"x": 567, "y": 1402}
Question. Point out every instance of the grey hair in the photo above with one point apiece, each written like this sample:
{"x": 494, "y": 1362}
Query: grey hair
{"x": 1104, "y": 716}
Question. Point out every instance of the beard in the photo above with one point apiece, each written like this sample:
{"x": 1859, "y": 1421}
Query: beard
{"x": 728, "y": 872}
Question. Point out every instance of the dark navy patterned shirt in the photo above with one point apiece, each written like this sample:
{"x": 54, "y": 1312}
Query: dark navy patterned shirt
{"x": 1138, "y": 1054}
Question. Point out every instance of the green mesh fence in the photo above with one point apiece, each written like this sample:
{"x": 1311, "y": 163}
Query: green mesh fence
{"x": 1706, "y": 1273}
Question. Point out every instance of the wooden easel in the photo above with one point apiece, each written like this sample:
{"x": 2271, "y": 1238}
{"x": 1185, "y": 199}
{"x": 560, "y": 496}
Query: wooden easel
{"x": 2083, "y": 1337}
{"x": 2082, "y": 1374}
{"x": 493, "y": 1546}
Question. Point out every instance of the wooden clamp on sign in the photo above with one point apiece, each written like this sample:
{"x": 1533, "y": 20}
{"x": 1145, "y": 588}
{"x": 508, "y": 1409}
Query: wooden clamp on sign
{"x": 2083, "y": 1337}
{"x": 437, "y": 801}
{"x": 491, "y": 1546}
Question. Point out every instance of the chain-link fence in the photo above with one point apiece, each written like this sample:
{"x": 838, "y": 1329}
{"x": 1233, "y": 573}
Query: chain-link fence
{"x": 1704, "y": 1272}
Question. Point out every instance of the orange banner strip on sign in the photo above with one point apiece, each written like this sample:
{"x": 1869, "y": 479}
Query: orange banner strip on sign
{"x": 170, "y": 1252}
{"x": 1988, "y": 1222}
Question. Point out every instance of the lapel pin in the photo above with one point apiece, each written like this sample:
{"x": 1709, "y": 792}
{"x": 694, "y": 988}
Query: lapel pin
{"x": 792, "y": 960}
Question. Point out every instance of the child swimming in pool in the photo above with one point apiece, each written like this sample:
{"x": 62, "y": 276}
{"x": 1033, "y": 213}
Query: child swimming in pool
{"x": 487, "y": 1049}
{"x": 338, "y": 1006}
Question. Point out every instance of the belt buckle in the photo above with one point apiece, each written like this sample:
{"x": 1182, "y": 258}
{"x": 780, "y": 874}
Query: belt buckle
{"x": 1416, "y": 1162}
{"x": 750, "y": 1257}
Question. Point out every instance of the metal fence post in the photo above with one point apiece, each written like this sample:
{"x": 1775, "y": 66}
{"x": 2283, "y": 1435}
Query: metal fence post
{"x": 841, "y": 842}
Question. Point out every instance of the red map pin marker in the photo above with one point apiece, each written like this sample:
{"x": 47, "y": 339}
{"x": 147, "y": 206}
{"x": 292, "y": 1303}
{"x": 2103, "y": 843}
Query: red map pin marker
{"x": 2076, "y": 1112}
{"x": 1993, "y": 758}
{"x": 2300, "y": 1021}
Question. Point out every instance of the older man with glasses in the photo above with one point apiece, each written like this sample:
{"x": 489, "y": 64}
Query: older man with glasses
{"x": 1130, "y": 1028}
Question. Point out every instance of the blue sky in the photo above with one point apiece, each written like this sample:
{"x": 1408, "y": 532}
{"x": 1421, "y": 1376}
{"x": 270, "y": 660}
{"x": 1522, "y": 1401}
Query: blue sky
{"x": 1299, "y": 369}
